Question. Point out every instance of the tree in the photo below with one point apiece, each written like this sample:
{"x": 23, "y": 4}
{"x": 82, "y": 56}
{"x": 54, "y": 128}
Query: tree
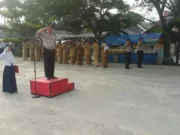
{"x": 96, "y": 15}
{"x": 23, "y": 18}
{"x": 71, "y": 15}
{"x": 160, "y": 6}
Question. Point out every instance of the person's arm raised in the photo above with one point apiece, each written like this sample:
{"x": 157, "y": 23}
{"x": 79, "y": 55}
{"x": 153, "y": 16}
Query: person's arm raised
{"x": 39, "y": 32}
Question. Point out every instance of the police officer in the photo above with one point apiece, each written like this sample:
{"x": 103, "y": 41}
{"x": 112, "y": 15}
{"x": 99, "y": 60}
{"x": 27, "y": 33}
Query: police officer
{"x": 128, "y": 50}
{"x": 140, "y": 52}
{"x": 49, "y": 50}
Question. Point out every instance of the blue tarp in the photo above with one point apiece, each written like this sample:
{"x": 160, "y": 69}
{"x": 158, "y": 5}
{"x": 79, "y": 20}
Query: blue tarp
{"x": 120, "y": 40}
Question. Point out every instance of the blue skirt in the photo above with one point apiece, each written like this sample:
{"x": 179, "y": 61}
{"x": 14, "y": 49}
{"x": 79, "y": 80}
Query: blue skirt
{"x": 9, "y": 80}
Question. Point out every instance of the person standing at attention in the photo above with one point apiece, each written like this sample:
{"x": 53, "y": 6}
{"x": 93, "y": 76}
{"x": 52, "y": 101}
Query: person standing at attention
{"x": 59, "y": 52}
{"x": 96, "y": 51}
{"x": 104, "y": 54}
{"x": 128, "y": 50}
{"x": 72, "y": 53}
{"x": 87, "y": 53}
{"x": 9, "y": 78}
{"x": 140, "y": 52}
{"x": 79, "y": 53}
{"x": 49, "y": 50}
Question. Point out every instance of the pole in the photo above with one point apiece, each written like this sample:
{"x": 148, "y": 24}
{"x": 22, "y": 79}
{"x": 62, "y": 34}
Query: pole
{"x": 35, "y": 96}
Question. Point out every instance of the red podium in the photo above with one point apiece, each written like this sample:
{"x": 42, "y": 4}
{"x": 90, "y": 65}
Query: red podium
{"x": 50, "y": 88}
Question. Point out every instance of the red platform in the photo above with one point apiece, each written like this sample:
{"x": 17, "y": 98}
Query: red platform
{"x": 50, "y": 88}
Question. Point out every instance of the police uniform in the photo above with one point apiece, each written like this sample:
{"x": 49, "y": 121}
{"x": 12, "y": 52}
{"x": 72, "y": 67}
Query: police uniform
{"x": 128, "y": 50}
{"x": 87, "y": 53}
{"x": 104, "y": 55}
{"x": 140, "y": 54}
{"x": 9, "y": 79}
{"x": 96, "y": 50}
{"x": 72, "y": 54}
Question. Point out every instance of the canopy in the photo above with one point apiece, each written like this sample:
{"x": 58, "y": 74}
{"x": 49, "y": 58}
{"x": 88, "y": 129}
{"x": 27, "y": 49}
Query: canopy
{"x": 121, "y": 40}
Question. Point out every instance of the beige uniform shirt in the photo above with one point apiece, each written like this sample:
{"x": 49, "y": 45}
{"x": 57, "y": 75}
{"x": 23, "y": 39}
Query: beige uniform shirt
{"x": 49, "y": 40}
{"x": 140, "y": 47}
{"x": 95, "y": 49}
{"x": 128, "y": 48}
{"x": 87, "y": 49}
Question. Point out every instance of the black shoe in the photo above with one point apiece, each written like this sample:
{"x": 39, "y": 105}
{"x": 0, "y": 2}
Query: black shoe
{"x": 54, "y": 77}
{"x": 127, "y": 68}
{"x": 140, "y": 66}
{"x": 105, "y": 67}
{"x": 48, "y": 78}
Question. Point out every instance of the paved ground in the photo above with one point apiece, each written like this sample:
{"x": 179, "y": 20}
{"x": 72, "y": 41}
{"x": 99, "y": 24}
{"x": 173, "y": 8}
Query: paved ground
{"x": 110, "y": 101}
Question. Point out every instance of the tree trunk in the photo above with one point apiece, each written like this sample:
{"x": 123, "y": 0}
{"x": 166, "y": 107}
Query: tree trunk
{"x": 166, "y": 35}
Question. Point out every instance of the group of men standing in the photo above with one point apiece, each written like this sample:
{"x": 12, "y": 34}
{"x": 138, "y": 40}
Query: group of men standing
{"x": 32, "y": 50}
{"x": 76, "y": 52}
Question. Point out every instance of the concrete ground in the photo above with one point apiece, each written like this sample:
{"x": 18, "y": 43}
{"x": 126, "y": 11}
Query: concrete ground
{"x": 111, "y": 101}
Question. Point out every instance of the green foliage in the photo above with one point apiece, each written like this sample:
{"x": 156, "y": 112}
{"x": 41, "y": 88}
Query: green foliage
{"x": 177, "y": 24}
{"x": 25, "y": 17}
{"x": 16, "y": 41}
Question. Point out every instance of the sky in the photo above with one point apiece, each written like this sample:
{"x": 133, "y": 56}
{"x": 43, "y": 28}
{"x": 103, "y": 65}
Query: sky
{"x": 151, "y": 15}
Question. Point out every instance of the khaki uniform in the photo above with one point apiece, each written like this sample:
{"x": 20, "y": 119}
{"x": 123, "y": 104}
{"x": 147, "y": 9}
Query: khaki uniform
{"x": 65, "y": 53}
{"x": 59, "y": 53}
{"x": 87, "y": 53}
{"x": 79, "y": 54}
{"x": 31, "y": 51}
{"x": 140, "y": 54}
{"x": 104, "y": 56}
{"x": 37, "y": 52}
{"x": 25, "y": 51}
{"x": 72, "y": 54}
{"x": 96, "y": 50}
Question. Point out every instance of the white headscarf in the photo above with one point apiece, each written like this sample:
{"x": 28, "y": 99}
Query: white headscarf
{"x": 6, "y": 49}
{"x": 106, "y": 47}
